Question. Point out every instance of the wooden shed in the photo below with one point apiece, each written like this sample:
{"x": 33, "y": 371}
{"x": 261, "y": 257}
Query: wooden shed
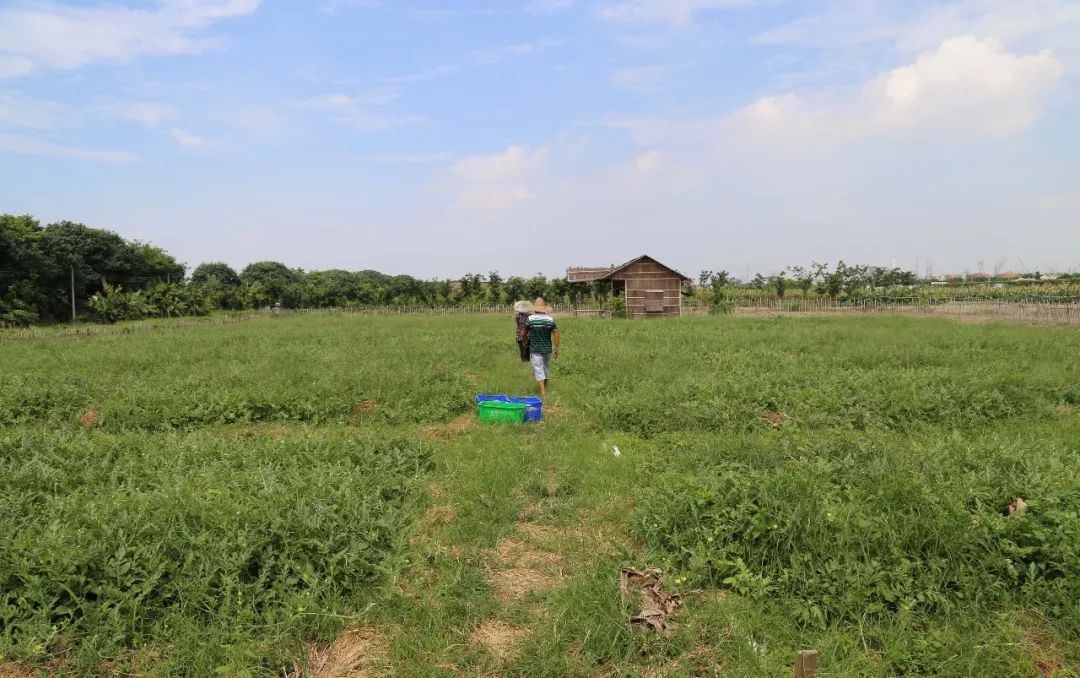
{"x": 652, "y": 290}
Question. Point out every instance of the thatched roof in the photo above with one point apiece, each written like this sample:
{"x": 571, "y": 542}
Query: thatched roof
{"x": 593, "y": 273}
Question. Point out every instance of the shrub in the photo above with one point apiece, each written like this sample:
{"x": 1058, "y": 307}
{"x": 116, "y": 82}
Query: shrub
{"x": 856, "y": 529}
{"x": 113, "y": 304}
{"x": 193, "y": 543}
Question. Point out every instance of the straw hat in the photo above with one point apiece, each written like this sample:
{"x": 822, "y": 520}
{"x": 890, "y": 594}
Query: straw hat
{"x": 541, "y": 306}
{"x": 523, "y": 307}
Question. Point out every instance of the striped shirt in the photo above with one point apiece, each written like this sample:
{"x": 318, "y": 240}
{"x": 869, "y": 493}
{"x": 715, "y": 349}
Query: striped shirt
{"x": 541, "y": 325}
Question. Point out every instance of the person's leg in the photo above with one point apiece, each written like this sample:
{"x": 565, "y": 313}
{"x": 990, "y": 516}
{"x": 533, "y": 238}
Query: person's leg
{"x": 539, "y": 370}
{"x": 523, "y": 348}
{"x": 547, "y": 375}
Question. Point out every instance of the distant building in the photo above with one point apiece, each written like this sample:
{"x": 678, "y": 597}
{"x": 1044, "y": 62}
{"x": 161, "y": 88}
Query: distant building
{"x": 651, "y": 289}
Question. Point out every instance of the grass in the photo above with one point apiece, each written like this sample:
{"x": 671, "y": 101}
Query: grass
{"x": 233, "y": 498}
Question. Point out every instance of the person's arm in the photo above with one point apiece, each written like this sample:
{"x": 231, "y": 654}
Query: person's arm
{"x": 555, "y": 341}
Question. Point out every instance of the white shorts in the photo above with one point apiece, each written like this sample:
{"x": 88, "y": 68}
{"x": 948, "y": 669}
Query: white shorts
{"x": 541, "y": 363}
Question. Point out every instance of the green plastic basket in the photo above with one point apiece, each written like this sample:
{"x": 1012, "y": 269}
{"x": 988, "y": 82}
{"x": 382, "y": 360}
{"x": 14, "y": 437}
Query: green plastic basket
{"x": 494, "y": 410}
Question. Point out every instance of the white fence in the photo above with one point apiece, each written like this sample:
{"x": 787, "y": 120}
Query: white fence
{"x": 1059, "y": 312}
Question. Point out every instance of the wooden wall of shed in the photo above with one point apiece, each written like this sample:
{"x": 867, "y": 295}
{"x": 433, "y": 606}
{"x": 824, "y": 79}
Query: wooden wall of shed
{"x": 646, "y": 275}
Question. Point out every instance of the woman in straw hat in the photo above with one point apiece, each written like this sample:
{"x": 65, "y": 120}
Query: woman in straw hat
{"x": 522, "y": 309}
{"x": 543, "y": 342}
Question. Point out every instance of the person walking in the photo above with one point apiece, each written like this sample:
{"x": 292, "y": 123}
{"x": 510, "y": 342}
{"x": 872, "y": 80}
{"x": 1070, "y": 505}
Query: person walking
{"x": 543, "y": 342}
{"x": 522, "y": 309}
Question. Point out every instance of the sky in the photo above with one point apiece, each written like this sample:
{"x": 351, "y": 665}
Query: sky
{"x": 439, "y": 138}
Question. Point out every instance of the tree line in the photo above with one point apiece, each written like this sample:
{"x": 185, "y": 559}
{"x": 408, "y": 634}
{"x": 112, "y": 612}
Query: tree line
{"x": 46, "y": 270}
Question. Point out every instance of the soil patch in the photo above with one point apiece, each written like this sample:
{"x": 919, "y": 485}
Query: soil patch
{"x": 498, "y": 638}
{"x": 358, "y": 653}
{"x": 90, "y": 417}
{"x": 365, "y": 407}
{"x": 775, "y": 419}
{"x": 270, "y": 432}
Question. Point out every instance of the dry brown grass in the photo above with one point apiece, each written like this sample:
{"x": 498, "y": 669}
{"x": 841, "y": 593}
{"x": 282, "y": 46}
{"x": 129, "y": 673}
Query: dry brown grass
{"x": 1049, "y": 659}
{"x": 90, "y": 417}
{"x": 453, "y": 429}
{"x": 359, "y": 653}
{"x": 554, "y": 409}
{"x": 437, "y": 491}
{"x": 138, "y": 662}
{"x": 498, "y": 638}
{"x": 520, "y": 565}
{"x": 12, "y": 670}
{"x": 439, "y": 515}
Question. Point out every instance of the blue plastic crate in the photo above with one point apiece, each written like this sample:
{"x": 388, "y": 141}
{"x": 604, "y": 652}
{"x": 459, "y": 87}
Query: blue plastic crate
{"x": 534, "y": 407}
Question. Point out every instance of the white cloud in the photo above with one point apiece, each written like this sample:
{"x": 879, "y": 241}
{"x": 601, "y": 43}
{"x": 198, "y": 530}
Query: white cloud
{"x": 492, "y": 199}
{"x": 14, "y": 143}
{"x": 549, "y": 6}
{"x": 259, "y": 121}
{"x": 966, "y": 86}
{"x": 187, "y": 139}
{"x": 649, "y": 162}
{"x": 148, "y": 113}
{"x": 11, "y": 66}
{"x": 638, "y": 79}
{"x": 361, "y": 111}
{"x": 673, "y": 12}
{"x": 36, "y": 36}
{"x": 491, "y": 183}
{"x": 335, "y": 6}
{"x": 28, "y": 113}
{"x": 514, "y": 164}
{"x": 412, "y": 158}
{"x": 493, "y": 55}
{"x": 851, "y": 24}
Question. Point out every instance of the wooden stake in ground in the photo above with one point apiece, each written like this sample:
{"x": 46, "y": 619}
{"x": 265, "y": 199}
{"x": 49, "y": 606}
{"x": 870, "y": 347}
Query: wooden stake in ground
{"x": 806, "y": 664}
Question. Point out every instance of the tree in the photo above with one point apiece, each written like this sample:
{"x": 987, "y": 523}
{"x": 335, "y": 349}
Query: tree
{"x": 495, "y": 288}
{"x": 559, "y": 289}
{"x": 537, "y": 286}
{"x": 515, "y": 288}
{"x": 22, "y": 266}
{"x": 779, "y": 284}
{"x": 472, "y": 286}
{"x": 804, "y": 278}
{"x": 275, "y": 280}
{"x": 714, "y": 279}
{"x": 224, "y": 274}
{"x": 149, "y": 264}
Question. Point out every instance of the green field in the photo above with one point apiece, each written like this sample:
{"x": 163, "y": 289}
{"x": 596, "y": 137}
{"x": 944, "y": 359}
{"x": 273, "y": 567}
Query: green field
{"x": 313, "y": 494}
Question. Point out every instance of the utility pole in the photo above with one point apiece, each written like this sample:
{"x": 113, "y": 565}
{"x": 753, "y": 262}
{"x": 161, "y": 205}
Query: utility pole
{"x": 73, "y": 293}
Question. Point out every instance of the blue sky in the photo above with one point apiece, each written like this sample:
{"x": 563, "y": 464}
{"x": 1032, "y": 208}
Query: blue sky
{"x": 529, "y": 135}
